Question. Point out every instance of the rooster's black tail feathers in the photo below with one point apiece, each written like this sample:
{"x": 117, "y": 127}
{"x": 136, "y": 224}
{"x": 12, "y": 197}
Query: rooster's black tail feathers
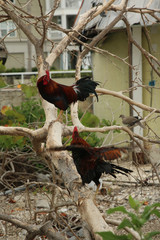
{"x": 121, "y": 170}
{"x": 86, "y": 86}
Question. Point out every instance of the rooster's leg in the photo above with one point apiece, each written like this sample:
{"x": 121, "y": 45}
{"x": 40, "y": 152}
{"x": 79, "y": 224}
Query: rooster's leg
{"x": 59, "y": 118}
{"x": 102, "y": 191}
{"x": 95, "y": 194}
{"x": 97, "y": 190}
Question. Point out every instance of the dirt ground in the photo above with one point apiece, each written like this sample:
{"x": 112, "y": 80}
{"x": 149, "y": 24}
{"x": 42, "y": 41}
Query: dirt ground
{"x": 24, "y": 204}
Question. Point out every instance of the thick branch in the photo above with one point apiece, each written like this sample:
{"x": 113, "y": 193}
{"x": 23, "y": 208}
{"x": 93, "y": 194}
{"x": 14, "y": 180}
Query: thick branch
{"x": 36, "y": 136}
{"x": 18, "y": 223}
{"x": 127, "y": 99}
{"x": 22, "y": 131}
{"x": 93, "y": 217}
{"x": 62, "y": 160}
{"x": 33, "y": 230}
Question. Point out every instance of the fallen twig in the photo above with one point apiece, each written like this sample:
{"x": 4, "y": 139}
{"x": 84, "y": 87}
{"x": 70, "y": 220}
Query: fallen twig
{"x": 34, "y": 230}
{"x": 129, "y": 230}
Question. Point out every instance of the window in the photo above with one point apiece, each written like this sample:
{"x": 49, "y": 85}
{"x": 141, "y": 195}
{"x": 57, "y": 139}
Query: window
{"x": 72, "y": 59}
{"x": 6, "y": 27}
{"x": 57, "y": 19}
{"x": 55, "y": 34}
{"x": 70, "y": 21}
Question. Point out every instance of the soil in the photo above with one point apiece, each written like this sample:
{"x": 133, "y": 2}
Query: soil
{"x": 141, "y": 186}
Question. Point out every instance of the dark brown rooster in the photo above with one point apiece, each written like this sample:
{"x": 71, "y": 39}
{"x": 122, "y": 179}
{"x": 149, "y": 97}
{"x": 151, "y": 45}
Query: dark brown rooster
{"x": 91, "y": 162}
{"x": 62, "y": 96}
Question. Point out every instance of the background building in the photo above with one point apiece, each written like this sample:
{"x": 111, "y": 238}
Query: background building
{"x": 21, "y": 52}
{"x": 115, "y": 74}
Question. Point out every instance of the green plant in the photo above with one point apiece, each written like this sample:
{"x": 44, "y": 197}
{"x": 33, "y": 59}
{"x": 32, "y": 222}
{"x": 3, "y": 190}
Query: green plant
{"x": 2, "y": 70}
{"x": 134, "y": 220}
{"x": 22, "y": 69}
{"x": 29, "y": 114}
{"x": 14, "y": 142}
{"x": 2, "y": 83}
{"x": 69, "y": 75}
{"x": 106, "y": 122}
{"x": 34, "y": 69}
{"x": 2, "y": 67}
{"x": 88, "y": 120}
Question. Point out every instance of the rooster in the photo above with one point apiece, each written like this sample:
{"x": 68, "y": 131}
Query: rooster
{"x": 61, "y": 95}
{"x": 91, "y": 162}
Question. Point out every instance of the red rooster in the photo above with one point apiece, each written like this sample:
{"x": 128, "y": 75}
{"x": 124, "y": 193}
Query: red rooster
{"x": 90, "y": 162}
{"x": 62, "y": 96}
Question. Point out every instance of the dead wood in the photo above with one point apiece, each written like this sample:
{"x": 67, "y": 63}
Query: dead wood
{"x": 33, "y": 230}
{"x": 93, "y": 218}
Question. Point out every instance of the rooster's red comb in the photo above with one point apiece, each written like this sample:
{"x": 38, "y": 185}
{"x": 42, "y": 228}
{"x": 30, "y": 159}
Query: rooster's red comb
{"x": 75, "y": 129}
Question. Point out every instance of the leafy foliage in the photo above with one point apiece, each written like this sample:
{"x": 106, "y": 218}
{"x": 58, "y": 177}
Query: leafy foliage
{"x": 112, "y": 236}
{"x": 90, "y": 120}
{"x": 2, "y": 83}
{"x": 29, "y": 91}
{"x": 13, "y": 142}
{"x": 29, "y": 114}
{"x": 2, "y": 67}
{"x": 106, "y": 122}
{"x": 2, "y": 70}
{"x": 134, "y": 220}
{"x": 16, "y": 70}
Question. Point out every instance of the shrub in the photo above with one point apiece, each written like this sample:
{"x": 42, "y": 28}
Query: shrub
{"x": 15, "y": 70}
{"x": 2, "y": 67}
{"x": 134, "y": 220}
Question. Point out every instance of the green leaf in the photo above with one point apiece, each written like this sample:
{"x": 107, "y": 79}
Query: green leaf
{"x": 125, "y": 223}
{"x": 137, "y": 222}
{"x": 15, "y": 114}
{"x": 149, "y": 236}
{"x": 155, "y": 205}
{"x": 90, "y": 120}
{"x": 29, "y": 91}
{"x": 148, "y": 211}
{"x": 2, "y": 83}
{"x": 2, "y": 67}
{"x": 117, "y": 209}
{"x": 156, "y": 212}
{"x": 112, "y": 236}
{"x": 134, "y": 203}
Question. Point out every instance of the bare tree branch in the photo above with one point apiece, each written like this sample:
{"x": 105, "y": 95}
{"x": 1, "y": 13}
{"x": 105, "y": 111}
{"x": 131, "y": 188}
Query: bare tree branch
{"x": 84, "y": 19}
{"x": 33, "y": 230}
